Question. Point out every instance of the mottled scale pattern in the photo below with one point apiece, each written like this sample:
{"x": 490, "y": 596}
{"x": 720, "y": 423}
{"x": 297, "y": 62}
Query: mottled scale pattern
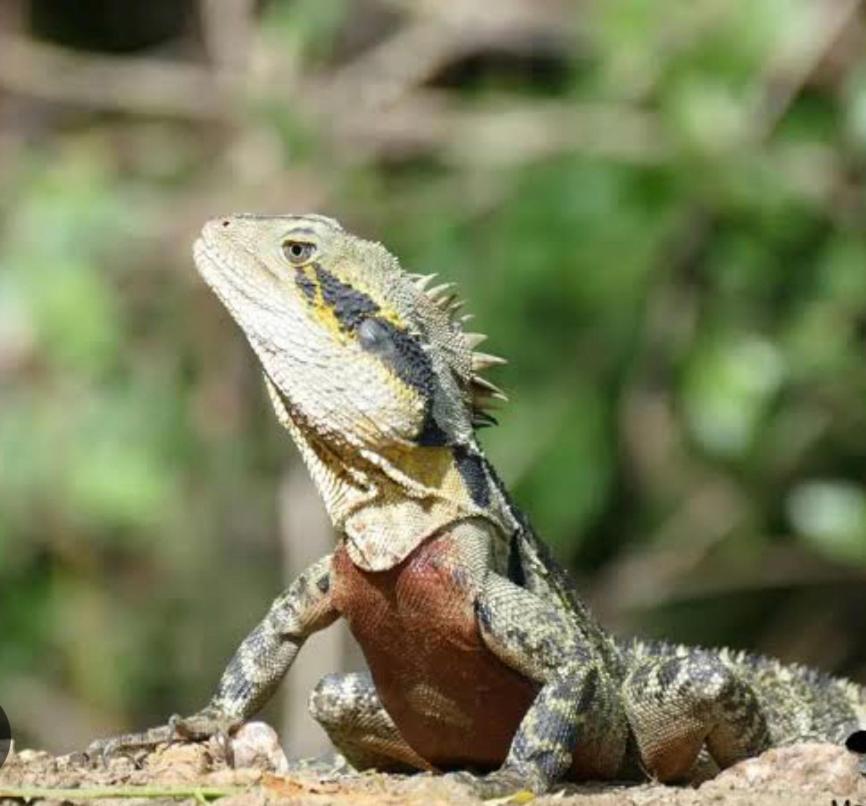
{"x": 265, "y": 655}
{"x": 348, "y": 707}
{"x": 798, "y": 703}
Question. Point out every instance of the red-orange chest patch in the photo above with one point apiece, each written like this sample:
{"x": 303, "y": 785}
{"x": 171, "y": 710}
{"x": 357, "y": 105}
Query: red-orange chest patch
{"x": 452, "y": 699}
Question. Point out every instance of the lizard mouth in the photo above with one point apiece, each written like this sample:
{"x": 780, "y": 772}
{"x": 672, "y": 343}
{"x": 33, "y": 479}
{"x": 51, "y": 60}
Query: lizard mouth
{"x": 211, "y": 269}
{"x": 218, "y": 272}
{"x": 220, "y": 277}
{"x": 199, "y": 250}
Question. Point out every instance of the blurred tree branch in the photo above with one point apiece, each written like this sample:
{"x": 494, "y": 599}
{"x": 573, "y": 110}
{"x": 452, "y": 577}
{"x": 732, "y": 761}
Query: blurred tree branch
{"x": 134, "y": 85}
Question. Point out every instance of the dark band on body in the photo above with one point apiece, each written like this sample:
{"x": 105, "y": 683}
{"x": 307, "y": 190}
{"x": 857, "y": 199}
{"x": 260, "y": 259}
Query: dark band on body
{"x": 515, "y": 564}
{"x": 471, "y": 469}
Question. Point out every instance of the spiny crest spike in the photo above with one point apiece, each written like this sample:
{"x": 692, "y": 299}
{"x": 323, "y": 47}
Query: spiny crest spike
{"x": 474, "y": 339}
{"x": 484, "y": 388}
{"x": 483, "y": 419}
{"x": 423, "y": 280}
{"x": 446, "y": 302}
{"x": 481, "y": 361}
{"x": 438, "y": 292}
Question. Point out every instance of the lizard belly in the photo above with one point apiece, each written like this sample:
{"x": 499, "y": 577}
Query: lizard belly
{"x": 452, "y": 699}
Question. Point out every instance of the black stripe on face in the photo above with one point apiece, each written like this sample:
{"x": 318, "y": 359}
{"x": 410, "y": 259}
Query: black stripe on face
{"x": 306, "y": 284}
{"x": 398, "y": 349}
{"x": 350, "y": 306}
{"x": 471, "y": 469}
{"x": 403, "y": 353}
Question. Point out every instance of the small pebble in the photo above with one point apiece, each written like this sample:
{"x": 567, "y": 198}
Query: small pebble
{"x": 256, "y": 744}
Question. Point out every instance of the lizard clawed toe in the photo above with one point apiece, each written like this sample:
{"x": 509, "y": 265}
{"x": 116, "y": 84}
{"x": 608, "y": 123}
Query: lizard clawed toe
{"x": 199, "y": 727}
{"x": 104, "y": 749}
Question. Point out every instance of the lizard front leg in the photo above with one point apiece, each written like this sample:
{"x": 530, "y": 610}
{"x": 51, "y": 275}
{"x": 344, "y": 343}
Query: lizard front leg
{"x": 254, "y": 671}
{"x": 576, "y": 717}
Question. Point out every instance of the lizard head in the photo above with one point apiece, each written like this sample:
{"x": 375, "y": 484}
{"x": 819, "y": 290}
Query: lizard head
{"x": 359, "y": 350}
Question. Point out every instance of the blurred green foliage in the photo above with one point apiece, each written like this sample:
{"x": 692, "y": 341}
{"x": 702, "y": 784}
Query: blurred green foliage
{"x": 685, "y": 326}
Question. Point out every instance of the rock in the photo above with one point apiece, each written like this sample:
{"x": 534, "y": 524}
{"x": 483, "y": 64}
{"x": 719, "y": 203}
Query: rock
{"x": 808, "y": 766}
{"x": 256, "y": 744}
{"x": 179, "y": 763}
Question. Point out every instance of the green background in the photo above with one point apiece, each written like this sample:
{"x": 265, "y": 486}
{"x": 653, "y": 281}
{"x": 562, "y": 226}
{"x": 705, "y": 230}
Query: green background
{"x": 654, "y": 209}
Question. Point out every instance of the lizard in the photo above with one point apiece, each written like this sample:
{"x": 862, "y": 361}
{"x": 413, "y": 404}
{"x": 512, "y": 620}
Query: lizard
{"x": 484, "y": 661}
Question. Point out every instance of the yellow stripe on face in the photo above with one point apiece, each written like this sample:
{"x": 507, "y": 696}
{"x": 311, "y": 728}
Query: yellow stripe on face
{"x": 337, "y": 305}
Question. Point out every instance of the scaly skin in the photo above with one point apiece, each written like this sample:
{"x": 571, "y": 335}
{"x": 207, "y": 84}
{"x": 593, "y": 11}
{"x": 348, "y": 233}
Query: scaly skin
{"x": 482, "y": 656}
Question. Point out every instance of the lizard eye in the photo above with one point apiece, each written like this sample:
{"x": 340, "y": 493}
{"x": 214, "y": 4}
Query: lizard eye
{"x": 298, "y": 252}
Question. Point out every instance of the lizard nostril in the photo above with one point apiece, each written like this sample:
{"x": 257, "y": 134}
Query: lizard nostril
{"x": 226, "y": 222}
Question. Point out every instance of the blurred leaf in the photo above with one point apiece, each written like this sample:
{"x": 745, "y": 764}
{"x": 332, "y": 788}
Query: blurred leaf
{"x": 707, "y": 116}
{"x": 830, "y": 516}
{"x": 728, "y": 386}
{"x": 856, "y": 110}
{"x": 74, "y": 314}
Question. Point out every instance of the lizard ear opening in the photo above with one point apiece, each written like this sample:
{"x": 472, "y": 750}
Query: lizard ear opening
{"x": 856, "y": 742}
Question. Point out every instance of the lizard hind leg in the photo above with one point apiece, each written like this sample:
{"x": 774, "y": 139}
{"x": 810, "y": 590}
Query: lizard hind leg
{"x": 680, "y": 705}
{"x": 348, "y": 708}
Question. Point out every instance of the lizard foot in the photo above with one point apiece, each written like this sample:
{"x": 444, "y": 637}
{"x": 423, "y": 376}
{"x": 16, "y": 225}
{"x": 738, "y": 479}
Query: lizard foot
{"x": 206, "y": 724}
{"x": 506, "y": 782}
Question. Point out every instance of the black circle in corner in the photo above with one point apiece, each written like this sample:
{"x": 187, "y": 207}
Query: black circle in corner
{"x": 5, "y": 736}
{"x": 856, "y": 742}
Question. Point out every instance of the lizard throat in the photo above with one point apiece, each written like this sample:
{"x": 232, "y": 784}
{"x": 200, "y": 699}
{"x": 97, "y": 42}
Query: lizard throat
{"x": 387, "y": 503}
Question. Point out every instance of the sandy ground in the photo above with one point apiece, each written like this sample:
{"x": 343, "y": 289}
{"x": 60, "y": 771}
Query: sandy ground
{"x": 192, "y": 774}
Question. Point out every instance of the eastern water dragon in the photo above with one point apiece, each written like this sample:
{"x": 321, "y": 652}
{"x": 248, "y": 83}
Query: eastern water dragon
{"x": 482, "y": 657}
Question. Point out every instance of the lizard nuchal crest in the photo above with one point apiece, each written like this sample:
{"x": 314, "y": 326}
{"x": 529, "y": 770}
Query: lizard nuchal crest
{"x": 482, "y": 655}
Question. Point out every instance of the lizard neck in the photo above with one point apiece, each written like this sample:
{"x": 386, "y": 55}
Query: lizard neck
{"x": 385, "y": 503}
